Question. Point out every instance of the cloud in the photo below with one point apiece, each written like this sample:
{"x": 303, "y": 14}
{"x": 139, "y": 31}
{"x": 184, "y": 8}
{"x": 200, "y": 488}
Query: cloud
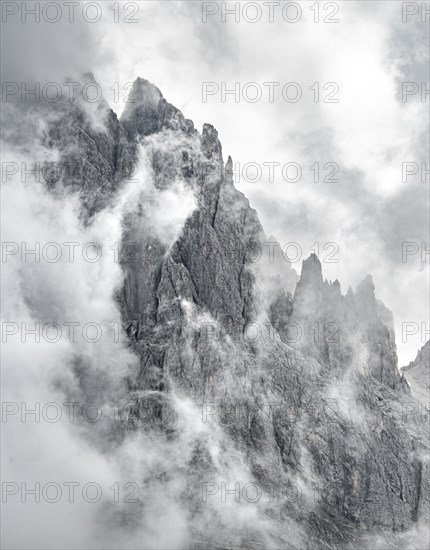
{"x": 166, "y": 209}
{"x": 49, "y": 369}
{"x": 369, "y": 133}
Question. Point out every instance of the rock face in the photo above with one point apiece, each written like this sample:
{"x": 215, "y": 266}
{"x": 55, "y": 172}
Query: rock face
{"x": 95, "y": 154}
{"x": 297, "y": 385}
{"x": 417, "y": 373}
{"x": 337, "y": 330}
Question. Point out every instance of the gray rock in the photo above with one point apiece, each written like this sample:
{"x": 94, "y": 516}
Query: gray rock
{"x": 417, "y": 373}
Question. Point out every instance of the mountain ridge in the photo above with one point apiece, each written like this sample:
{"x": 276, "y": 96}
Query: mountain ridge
{"x": 212, "y": 324}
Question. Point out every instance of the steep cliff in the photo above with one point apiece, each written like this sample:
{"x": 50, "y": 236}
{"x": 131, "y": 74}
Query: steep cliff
{"x": 417, "y": 373}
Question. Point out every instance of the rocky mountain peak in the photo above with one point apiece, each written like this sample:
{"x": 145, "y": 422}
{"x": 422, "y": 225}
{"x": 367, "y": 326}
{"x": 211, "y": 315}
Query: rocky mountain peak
{"x": 147, "y": 112}
{"x": 311, "y": 271}
{"x": 210, "y": 322}
{"x": 145, "y": 93}
{"x": 366, "y": 288}
{"x": 88, "y": 77}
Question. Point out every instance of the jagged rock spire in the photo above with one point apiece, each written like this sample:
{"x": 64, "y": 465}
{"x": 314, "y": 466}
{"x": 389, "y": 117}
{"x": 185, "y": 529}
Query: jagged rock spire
{"x": 147, "y": 112}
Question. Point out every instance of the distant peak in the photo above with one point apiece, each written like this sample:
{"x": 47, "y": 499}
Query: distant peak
{"x": 311, "y": 269}
{"x": 366, "y": 287}
{"x": 147, "y": 112}
{"x": 89, "y": 77}
{"x": 144, "y": 93}
{"x": 368, "y": 280}
{"x": 313, "y": 260}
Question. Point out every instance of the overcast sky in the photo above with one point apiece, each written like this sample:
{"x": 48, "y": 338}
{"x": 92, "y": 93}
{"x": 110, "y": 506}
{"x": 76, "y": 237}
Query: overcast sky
{"x": 368, "y": 133}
